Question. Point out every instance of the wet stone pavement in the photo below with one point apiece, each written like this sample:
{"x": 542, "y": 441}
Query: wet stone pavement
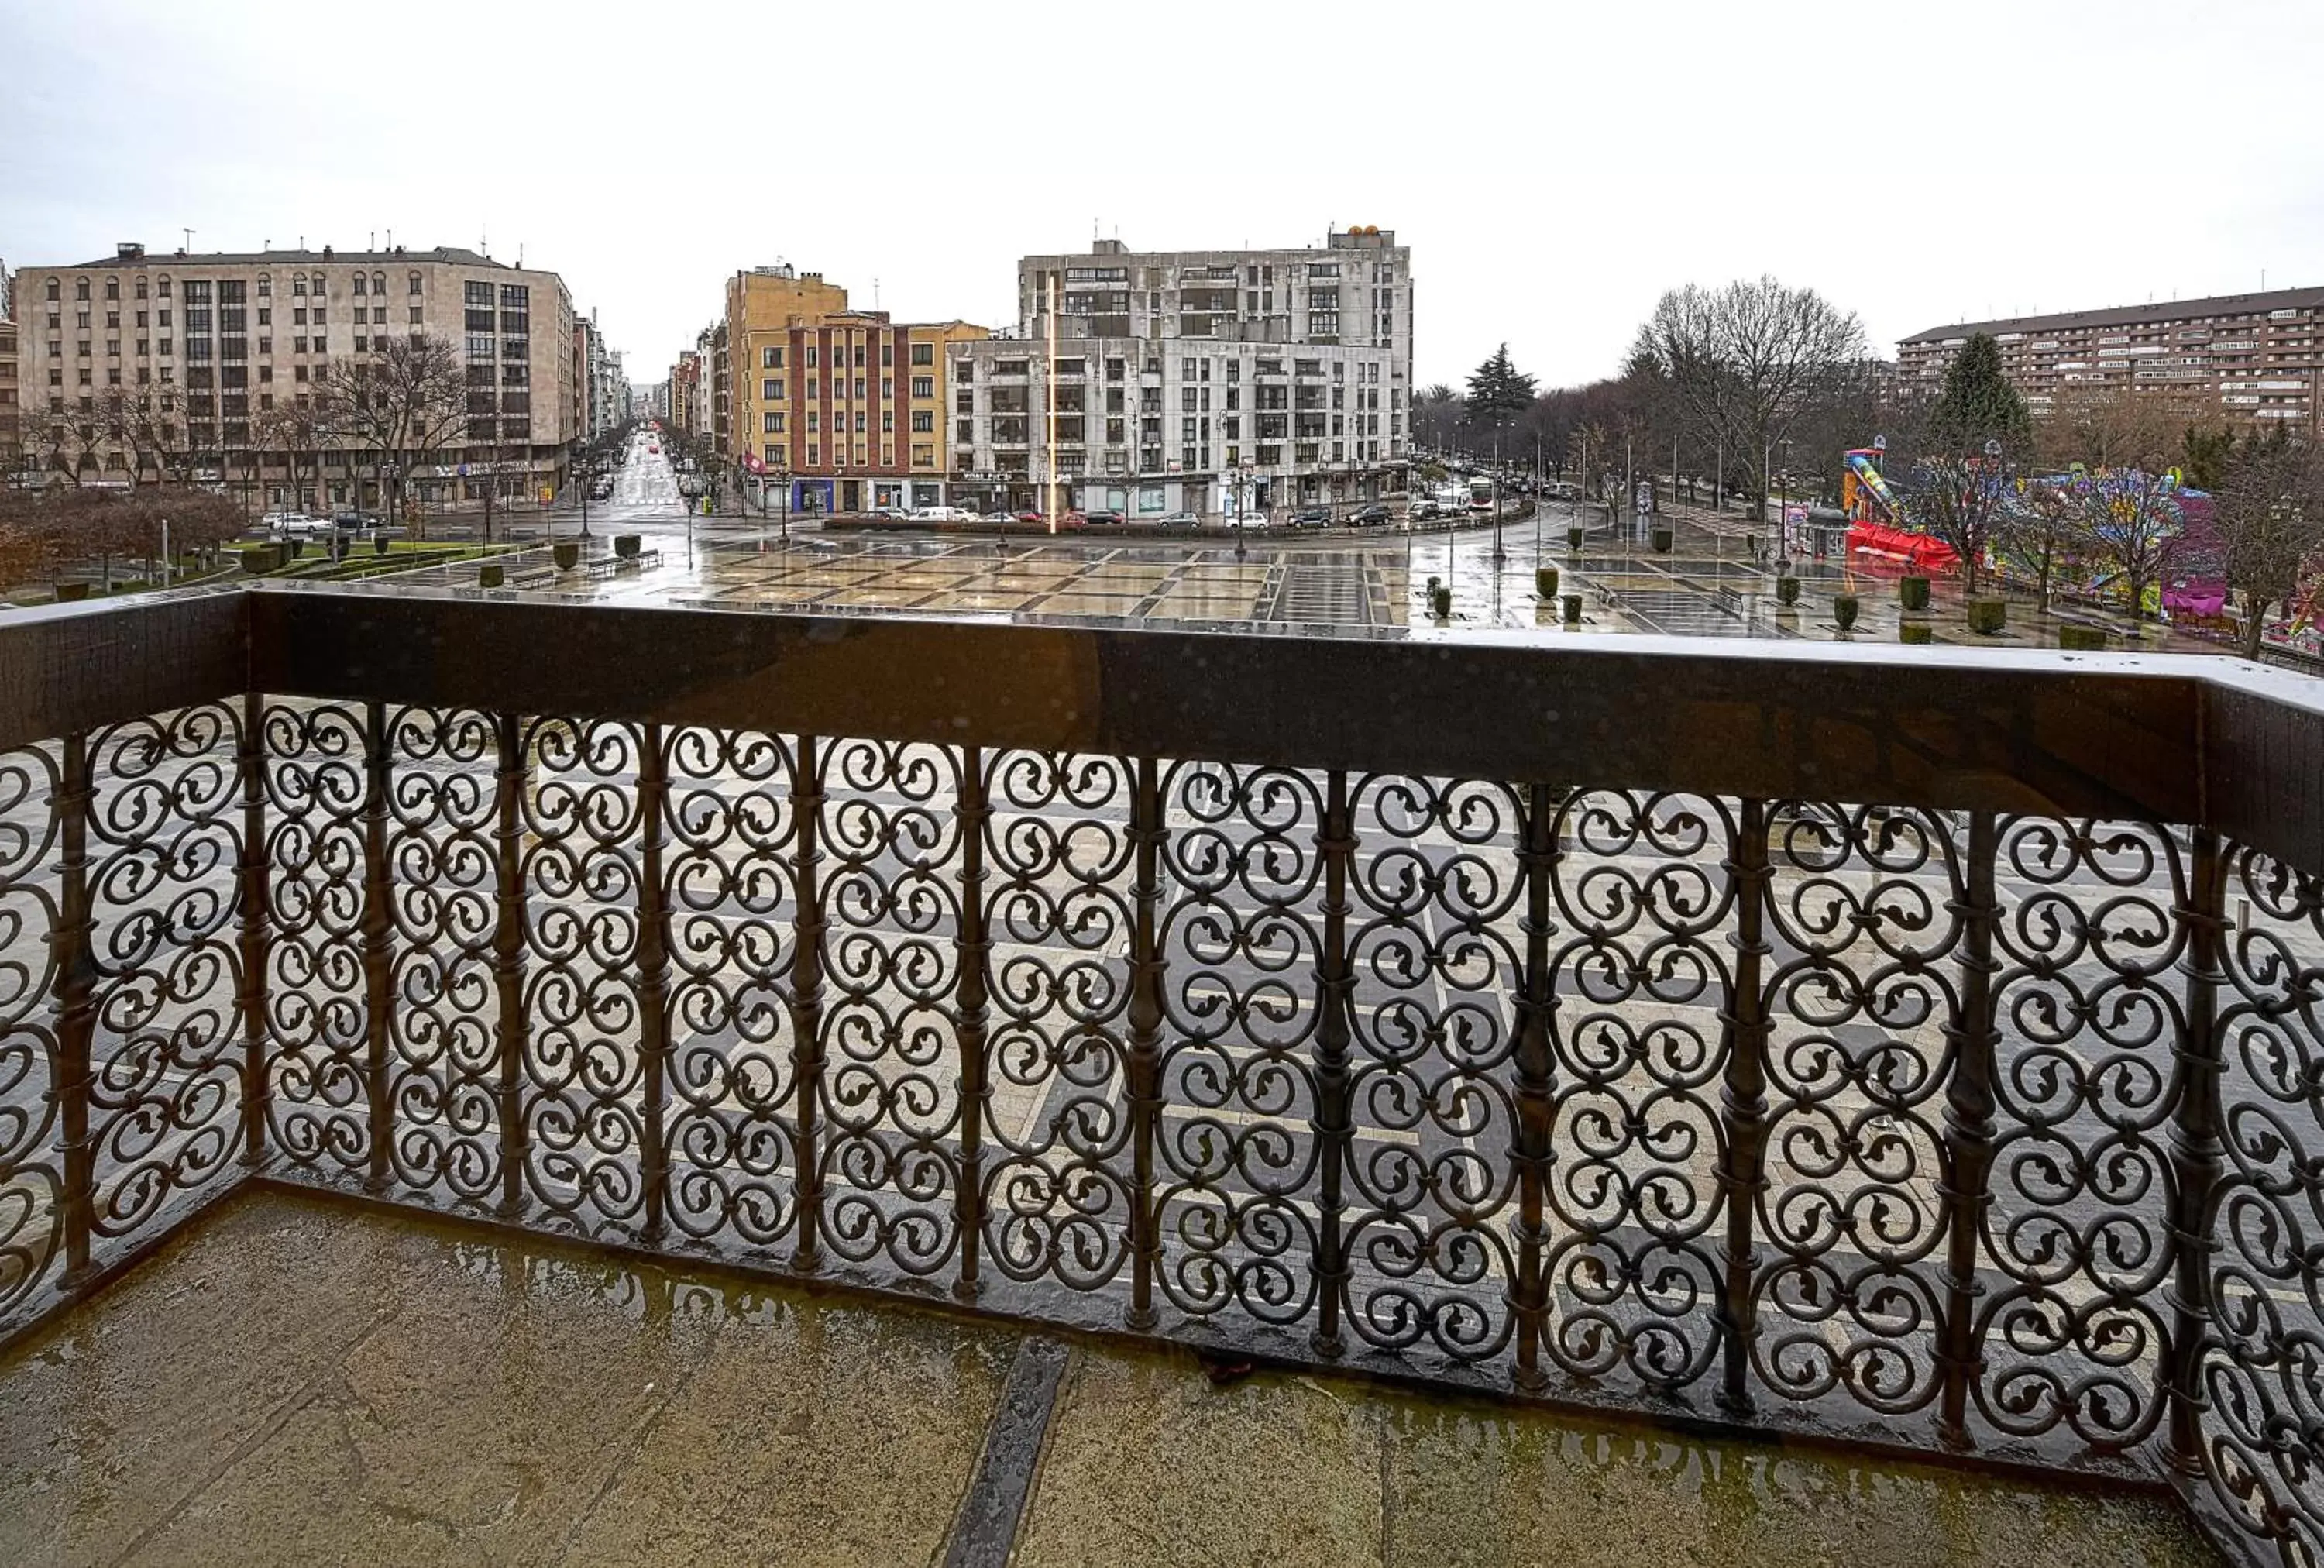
{"x": 298, "y": 1380}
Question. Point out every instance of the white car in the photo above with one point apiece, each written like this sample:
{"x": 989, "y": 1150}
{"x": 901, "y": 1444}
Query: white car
{"x": 279, "y": 522}
{"x": 943, "y": 514}
{"x": 1247, "y": 520}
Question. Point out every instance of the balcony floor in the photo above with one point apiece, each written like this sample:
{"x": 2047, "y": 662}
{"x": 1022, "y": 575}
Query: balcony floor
{"x": 300, "y": 1381}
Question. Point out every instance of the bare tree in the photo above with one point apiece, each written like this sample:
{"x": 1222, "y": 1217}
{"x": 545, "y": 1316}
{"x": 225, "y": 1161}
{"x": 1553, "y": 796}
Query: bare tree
{"x": 402, "y": 403}
{"x": 298, "y": 428}
{"x": 1742, "y": 362}
{"x": 2043, "y": 533}
{"x": 2268, "y": 511}
{"x": 2134, "y": 521}
{"x": 2118, "y": 428}
{"x": 1963, "y": 498}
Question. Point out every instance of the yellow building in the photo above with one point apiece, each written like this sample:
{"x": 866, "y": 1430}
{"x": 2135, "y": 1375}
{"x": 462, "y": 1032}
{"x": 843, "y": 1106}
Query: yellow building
{"x": 842, "y": 409}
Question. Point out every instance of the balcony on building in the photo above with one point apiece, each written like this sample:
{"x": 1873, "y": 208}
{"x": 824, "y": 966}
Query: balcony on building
{"x": 878, "y": 1088}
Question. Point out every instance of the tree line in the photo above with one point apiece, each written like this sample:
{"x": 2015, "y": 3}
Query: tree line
{"x": 399, "y": 407}
{"x": 1735, "y": 389}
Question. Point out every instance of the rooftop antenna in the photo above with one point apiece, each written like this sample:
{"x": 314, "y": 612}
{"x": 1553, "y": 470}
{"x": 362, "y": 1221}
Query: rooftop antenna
{"x": 190, "y": 238}
{"x": 373, "y": 243}
{"x": 875, "y": 293}
{"x": 390, "y": 239}
{"x": 519, "y": 253}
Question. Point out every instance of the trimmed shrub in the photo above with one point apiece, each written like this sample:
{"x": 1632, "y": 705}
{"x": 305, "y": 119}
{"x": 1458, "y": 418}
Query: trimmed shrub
{"x": 379, "y": 544}
{"x": 1913, "y": 593}
{"x": 1661, "y": 541}
{"x": 1544, "y": 582}
{"x": 260, "y": 558}
{"x": 1569, "y": 608}
{"x": 1787, "y": 590}
{"x": 1987, "y": 617}
{"x": 626, "y": 545}
{"x": 490, "y": 575}
{"x": 2084, "y": 638}
{"x": 1573, "y": 538}
{"x": 1440, "y": 601}
{"x": 1844, "y": 608}
{"x": 565, "y": 556}
{"x": 1915, "y": 632}
{"x": 71, "y": 592}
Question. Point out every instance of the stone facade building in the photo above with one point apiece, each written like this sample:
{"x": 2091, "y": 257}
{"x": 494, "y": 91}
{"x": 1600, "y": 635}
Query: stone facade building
{"x": 216, "y": 343}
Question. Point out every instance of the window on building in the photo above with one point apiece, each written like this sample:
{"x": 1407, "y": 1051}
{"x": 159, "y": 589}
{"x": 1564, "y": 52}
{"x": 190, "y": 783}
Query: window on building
{"x": 924, "y": 421}
{"x": 924, "y": 354}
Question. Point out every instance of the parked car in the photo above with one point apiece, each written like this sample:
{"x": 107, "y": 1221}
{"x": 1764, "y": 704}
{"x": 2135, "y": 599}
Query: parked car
{"x": 1178, "y": 520}
{"x": 1372, "y": 516}
{"x": 350, "y": 518}
{"x": 891, "y": 513}
{"x": 1247, "y": 520}
{"x": 1029, "y": 515}
{"x": 281, "y": 520}
{"x": 1311, "y": 517}
{"x": 944, "y": 515}
{"x": 1105, "y": 519}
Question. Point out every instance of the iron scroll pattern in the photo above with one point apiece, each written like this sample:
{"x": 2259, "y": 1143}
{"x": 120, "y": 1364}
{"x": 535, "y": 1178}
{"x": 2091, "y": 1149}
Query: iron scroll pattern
{"x": 31, "y": 1167}
{"x": 2259, "y": 1375}
{"x": 1977, "y": 1130}
{"x": 165, "y": 1079}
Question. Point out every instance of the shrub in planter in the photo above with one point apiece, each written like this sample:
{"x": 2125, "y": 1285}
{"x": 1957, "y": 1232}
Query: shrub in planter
{"x": 1569, "y": 606}
{"x": 626, "y": 545}
{"x": 565, "y": 556}
{"x": 1844, "y": 608}
{"x": 1787, "y": 590}
{"x": 1440, "y": 601}
{"x": 71, "y": 592}
{"x": 1915, "y": 632}
{"x": 489, "y": 574}
{"x": 293, "y": 548}
{"x": 1987, "y": 617}
{"x": 259, "y": 558}
{"x": 1434, "y": 583}
{"x": 1544, "y": 582}
{"x": 2087, "y": 639}
{"x": 1661, "y": 541}
{"x": 1573, "y": 538}
{"x": 1913, "y": 593}
{"x": 379, "y": 544}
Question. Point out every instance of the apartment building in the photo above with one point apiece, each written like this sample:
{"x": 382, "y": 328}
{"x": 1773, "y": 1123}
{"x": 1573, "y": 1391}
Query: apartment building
{"x": 685, "y": 391}
{"x": 11, "y": 445}
{"x": 221, "y": 342}
{"x": 2257, "y": 356}
{"x": 1197, "y": 381}
{"x": 839, "y": 409}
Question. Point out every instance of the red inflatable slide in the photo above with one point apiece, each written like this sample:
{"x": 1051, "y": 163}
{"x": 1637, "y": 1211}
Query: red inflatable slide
{"x": 1917, "y": 549}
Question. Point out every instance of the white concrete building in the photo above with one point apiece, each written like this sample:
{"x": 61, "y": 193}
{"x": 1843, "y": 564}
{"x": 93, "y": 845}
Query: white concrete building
{"x": 1196, "y": 381}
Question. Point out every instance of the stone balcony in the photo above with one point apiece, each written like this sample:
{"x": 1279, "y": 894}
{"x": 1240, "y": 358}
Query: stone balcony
{"x": 522, "y": 1080}
{"x": 299, "y": 1380}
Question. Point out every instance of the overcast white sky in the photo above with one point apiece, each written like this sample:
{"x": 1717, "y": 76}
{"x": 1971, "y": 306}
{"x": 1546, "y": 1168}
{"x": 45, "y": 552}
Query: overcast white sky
{"x": 1554, "y": 166}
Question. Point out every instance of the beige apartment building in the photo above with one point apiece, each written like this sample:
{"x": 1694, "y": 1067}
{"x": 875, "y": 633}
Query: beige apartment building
{"x": 832, "y": 408}
{"x": 2257, "y": 356}
{"x": 218, "y": 347}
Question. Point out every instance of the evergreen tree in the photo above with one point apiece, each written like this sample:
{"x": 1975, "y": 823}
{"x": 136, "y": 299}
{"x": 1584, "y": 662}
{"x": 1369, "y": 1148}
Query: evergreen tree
{"x": 1497, "y": 389}
{"x": 1977, "y": 403}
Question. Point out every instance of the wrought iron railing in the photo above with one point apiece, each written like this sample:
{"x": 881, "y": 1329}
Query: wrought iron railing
{"x": 1926, "y": 1055}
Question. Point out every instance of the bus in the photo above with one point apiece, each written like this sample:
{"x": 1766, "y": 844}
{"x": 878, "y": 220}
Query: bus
{"x": 1481, "y": 497}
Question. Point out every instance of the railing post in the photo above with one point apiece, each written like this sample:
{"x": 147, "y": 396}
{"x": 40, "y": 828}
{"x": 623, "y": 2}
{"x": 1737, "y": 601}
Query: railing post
{"x": 806, "y": 1006}
{"x": 508, "y": 956}
{"x": 653, "y": 977}
{"x": 1143, "y": 1069}
{"x": 1969, "y": 1133}
{"x": 255, "y": 914}
{"x": 1743, "y": 1105}
{"x": 1336, "y": 842}
{"x": 76, "y": 999}
{"x": 2196, "y": 1153}
{"x": 378, "y": 959}
{"x": 1535, "y": 1112}
{"x": 971, "y": 950}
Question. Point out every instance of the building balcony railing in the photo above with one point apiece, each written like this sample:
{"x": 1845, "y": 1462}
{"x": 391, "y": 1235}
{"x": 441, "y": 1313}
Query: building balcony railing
{"x": 1914, "y": 1049}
